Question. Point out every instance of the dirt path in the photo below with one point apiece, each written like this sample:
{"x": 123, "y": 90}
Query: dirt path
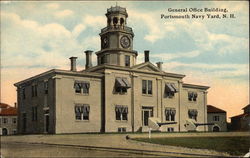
{"x": 118, "y": 142}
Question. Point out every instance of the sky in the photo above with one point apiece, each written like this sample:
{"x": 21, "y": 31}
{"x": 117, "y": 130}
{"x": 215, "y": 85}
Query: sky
{"x": 39, "y": 36}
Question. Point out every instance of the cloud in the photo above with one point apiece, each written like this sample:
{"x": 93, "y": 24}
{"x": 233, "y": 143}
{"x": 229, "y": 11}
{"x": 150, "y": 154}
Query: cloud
{"x": 5, "y": 2}
{"x": 53, "y": 6}
{"x": 171, "y": 56}
{"x": 148, "y": 20}
{"x": 94, "y": 21}
{"x": 208, "y": 72}
{"x": 229, "y": 44}
{"x": 46, "y": 45}
{"x": 78, "y": 29}
{"x": 63, "y": 13}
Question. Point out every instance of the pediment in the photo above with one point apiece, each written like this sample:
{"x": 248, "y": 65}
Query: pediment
{"x": 147, "y": 67}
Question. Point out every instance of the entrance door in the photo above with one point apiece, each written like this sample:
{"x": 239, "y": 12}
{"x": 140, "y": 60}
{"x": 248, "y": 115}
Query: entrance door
{"x": 4, "y": 131}
{"x": 146, "y": 113}
{"x": 216, "y": 129}
{"x": 46, "y": 123}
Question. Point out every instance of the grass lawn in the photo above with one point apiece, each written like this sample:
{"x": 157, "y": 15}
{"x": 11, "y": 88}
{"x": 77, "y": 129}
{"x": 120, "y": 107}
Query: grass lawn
{"x": 232, "y": 145}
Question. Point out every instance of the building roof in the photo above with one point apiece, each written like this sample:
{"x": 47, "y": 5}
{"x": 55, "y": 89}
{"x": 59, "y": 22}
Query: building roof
{"x": 3, "y": 105}
{"x": 240, "y": 116}
{"x": 246, "y": 107}
{"x": 54, "y": 72}
{"x": 187, "y": 85}
{"x": 213, "y": 109}
{"x": 9, "y": 111}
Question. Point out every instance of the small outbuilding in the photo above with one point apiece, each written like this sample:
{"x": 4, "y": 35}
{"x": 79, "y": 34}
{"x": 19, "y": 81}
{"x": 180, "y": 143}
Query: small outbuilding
{"x": 218, "y": 117}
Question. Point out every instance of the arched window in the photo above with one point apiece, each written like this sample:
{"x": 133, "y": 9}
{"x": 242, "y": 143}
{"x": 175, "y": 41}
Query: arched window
{"x": 115, "y": 20}
{"x": 121, "y": 21}
{"x": 109, "y": 21}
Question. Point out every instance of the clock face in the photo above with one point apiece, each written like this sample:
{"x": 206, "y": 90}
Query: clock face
{"x": 105, "y": 42}
{"x": 125, "y": 42}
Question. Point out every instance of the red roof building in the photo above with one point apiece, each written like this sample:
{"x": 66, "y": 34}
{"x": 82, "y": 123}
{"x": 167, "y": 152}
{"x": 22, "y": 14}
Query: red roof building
{"x": 213, "y": 109}
{"x": 3, "y": 105}
{"x": 241, "y": 122}
{"x": 10, "y": 111}
{"x": 7, "y": 110}
{"x": 8, "y": 119}
{"x": 218, "y": 117}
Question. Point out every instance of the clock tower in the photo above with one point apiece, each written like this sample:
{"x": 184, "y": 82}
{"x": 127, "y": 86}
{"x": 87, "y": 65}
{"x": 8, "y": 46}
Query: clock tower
{"x": 117, "y": 40}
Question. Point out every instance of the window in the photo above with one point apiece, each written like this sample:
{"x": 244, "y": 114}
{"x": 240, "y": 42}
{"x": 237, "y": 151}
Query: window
{"x": 115, "y": 20}
{"x": 170, "y": 90}
{"x": 24, "y": 121}
{"x": 121, "y": 129}
{"x": 192, "y": 96}
{"x": 121, "y": 112}
{"x": 102, "y": 59}
{"x": 82, "y": 112}
{"x": 170, "y": 114}
{"x": 170, "y": 129}
{"x": 82, "y": 87}
{"x": 34, "y": 113}
{"x": 34, "y": 90}
{"x": 192, "y": 114}
{"x": 147, "y": 87}
{"x": 23, "y": 93}
{"x": 127, "y": 60}
{"x": 121, "y": 85}
{"x": 46, "y": 87}
{"x": 105, "y": 58}
{"x": 216, "y": 118}
{"x": 121, "y": 21}
{"x": 14, "y": 120}
{"x": 78, "y": 87}
{"x": 5, "y": 120}
{"x": 144, "y": 87}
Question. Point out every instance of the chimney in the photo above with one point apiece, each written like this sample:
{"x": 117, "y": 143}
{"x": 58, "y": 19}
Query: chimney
{"x": 146, "y": 55}
{"x": 159, "y": 65}
{"x": 88, "y": 59}
{"x": 73, "y": 63}
{"x": 15, "y": 104}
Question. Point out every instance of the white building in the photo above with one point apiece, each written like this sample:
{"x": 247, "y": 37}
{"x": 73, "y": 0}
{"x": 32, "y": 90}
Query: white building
{"x": 116, "y": 95}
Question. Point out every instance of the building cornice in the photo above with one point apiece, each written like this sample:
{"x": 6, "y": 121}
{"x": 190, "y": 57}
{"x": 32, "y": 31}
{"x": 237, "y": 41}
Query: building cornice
{"x": 54, "y": 72}
{"x": 186, "y": 85}
{"x": 111, "y": 50}
{"x": 121, "y": 68}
